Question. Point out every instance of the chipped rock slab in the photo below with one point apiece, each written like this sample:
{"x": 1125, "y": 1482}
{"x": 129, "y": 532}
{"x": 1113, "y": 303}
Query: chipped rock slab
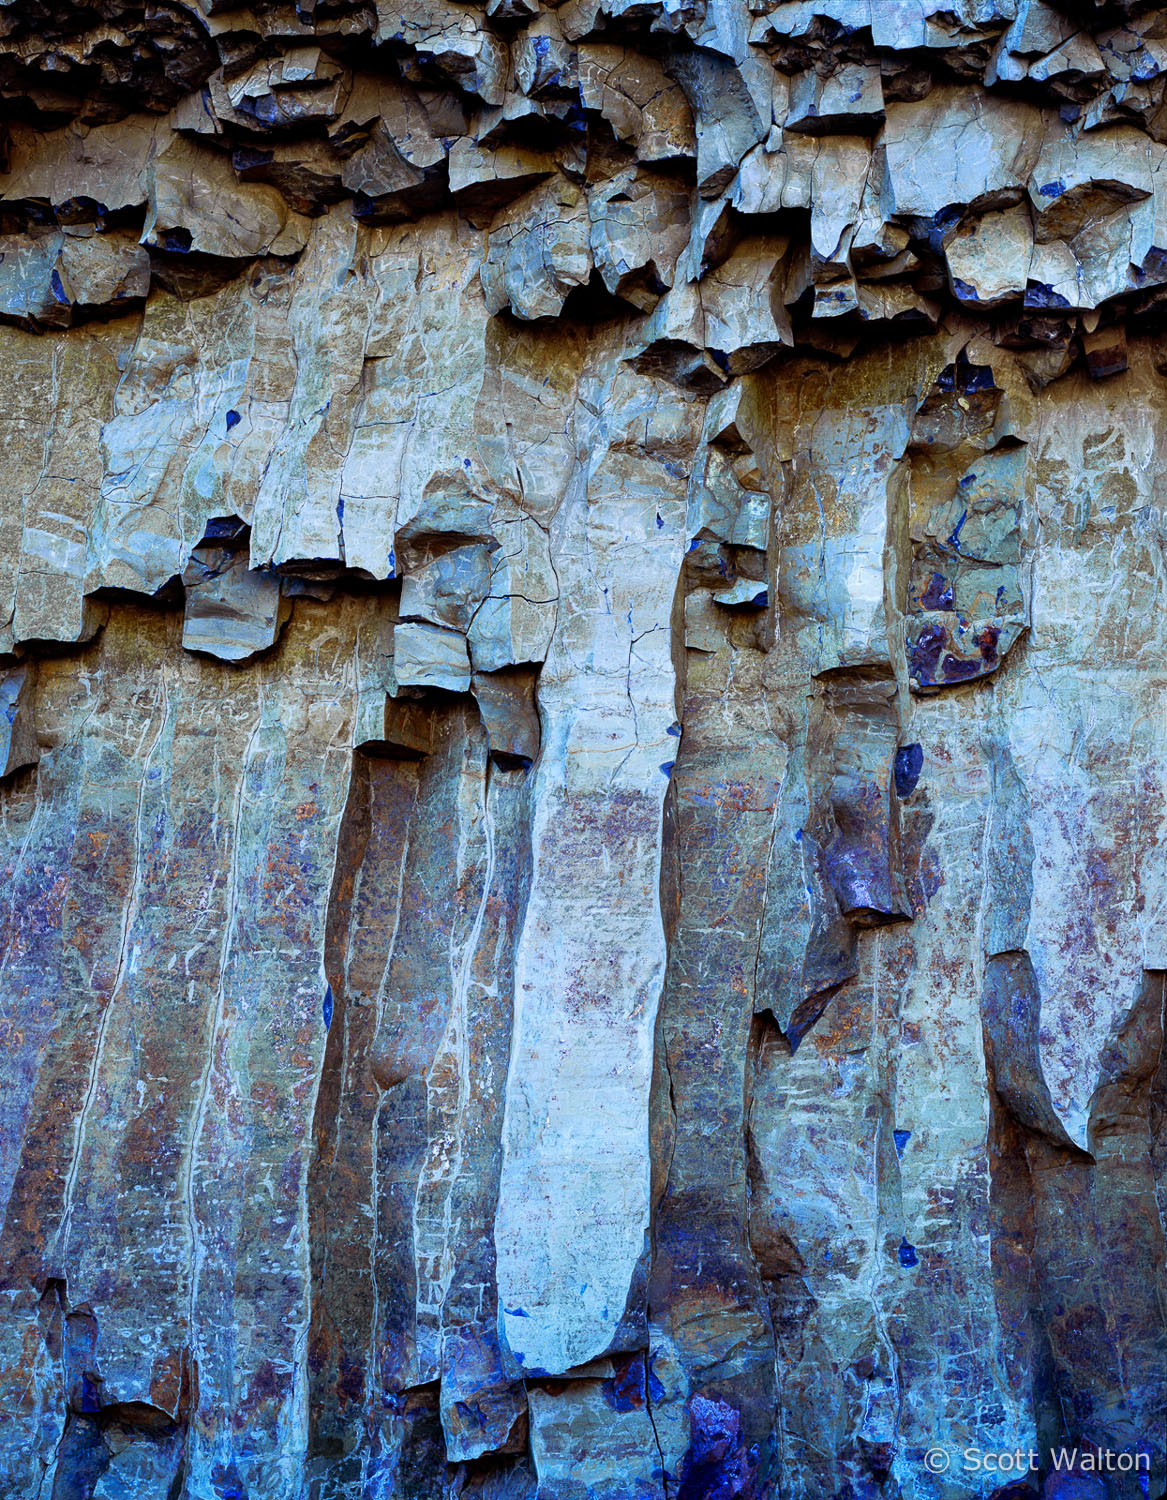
{"x": 232, "y": 611}
{"x": 18, "y": 742}
{"x": 426, "y": 656}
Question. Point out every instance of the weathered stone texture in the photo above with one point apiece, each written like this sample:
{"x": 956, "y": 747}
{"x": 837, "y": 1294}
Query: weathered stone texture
{"x": 583, "y": 751}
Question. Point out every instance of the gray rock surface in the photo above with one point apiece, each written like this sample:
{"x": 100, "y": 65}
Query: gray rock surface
{"x": 583, "y": 750}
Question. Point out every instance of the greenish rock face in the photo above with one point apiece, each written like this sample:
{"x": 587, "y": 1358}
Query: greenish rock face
{"x": 583, "y": 751}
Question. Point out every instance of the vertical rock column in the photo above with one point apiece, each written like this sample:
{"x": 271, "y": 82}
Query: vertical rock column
{"x": 163, "y": 1210}
{"x": 706, "y": 1295}
{"x": 573, "y": 1215}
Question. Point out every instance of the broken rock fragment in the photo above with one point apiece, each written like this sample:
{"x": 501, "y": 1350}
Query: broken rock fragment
{"x": 506, "y": 701}
{"x": 966, "y": 601}
{"x": 232, "y": 611}
{"x": 429, "y": 656}
{"x": 18, "y": 741}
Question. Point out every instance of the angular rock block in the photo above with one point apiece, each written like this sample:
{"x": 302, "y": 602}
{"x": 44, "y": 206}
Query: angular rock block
{"x": 232, "y": 611}
{"x": 510, "y": 715}
{"x": 18, "y": 741}
{"x": 428, "y": 656}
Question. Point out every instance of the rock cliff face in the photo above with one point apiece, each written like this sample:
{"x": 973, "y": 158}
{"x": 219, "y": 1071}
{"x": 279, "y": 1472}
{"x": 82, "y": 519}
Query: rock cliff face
{"x": 583, "y": 595}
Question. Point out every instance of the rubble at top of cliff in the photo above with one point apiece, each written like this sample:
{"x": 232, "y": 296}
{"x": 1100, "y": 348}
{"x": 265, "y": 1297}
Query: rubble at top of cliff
{"x": 892, "y": 162}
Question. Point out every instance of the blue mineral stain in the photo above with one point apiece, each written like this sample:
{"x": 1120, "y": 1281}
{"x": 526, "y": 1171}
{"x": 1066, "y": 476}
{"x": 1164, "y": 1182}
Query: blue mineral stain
{"x": 1053, "y": 189}
{"x": 955, "y": 670}
{"x": 667, "y": 767}
{"x": 909, "y": 762}
{"x": 937, "y": 593}
{"x": 247, "y": 157}
{"x": 227, "y": 1483}
{"x": 392, "y": 562}
{"x": 717, "y": 1464}
{"x": 965, "y": 290}
{"x": 798, "y": 835}
{"x": 583, "y": 1289}
{"x": 340, "y": 509}
{"x": 58, "y": 289}
{"x": 516, "y": 1312}
{"x": 625, "y": 1391}
{"x": 907, "y": 1254}
{"x": 1041, "y": 294}
{"x": 964, "y": 482}
{"x": 328, "y": 1006}
{"x": 659, "y": 521}
{"x": 693, "y": 545}
{"x": 901, "y": 1138}
{"x": 656, "y": 1389}
{"x": 233, "y": 419}
{"x": 954, "y": 540}
{"x": 674, "y": 729}
{"x": 177, "y": 239}
{"x": 470, "y": 1413}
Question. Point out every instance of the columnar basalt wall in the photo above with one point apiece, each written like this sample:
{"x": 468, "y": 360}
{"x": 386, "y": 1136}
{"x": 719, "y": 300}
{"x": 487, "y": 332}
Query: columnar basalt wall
{"x": 583, "y": 765}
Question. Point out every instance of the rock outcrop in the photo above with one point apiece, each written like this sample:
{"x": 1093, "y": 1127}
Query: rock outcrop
{"x": 583, "y": 800}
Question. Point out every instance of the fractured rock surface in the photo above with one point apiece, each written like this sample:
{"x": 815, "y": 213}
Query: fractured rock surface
{"x": 583, "y": 750}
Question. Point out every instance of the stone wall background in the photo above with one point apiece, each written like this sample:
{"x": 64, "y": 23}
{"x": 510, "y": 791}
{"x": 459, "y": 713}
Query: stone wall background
{"x": 584, "y": 674}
